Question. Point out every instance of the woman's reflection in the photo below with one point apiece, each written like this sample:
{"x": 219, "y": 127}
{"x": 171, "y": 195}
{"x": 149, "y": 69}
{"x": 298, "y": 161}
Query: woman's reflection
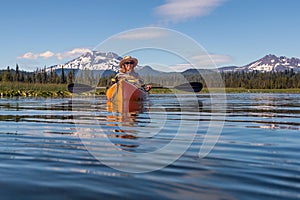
{"x": 123, "y": 116}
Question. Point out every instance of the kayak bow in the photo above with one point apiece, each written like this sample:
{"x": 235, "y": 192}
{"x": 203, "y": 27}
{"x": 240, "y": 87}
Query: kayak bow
{"x": 125, "y": 91}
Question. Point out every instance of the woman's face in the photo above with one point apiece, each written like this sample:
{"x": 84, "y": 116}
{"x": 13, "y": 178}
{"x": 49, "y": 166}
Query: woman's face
{"x": 128, "y": 66}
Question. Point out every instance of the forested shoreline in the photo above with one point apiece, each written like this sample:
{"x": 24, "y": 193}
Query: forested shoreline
{"x": 260, "y": 80}
{"x": 42, "y": 82}
{"x": 41, "y": 76}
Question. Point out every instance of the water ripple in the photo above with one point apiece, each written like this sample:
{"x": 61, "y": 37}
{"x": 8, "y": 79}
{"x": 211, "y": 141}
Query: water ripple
{"x": 43, "y": 155}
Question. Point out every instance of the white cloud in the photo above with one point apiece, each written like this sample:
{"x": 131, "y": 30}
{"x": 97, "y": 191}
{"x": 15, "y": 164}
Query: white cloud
{"x": 76, "y": 52}
{"x": 209, "y": 61}
{"x": 28, "y": 55}
{"x": 182, "y": 10}
{"x": 142, "y": 34}
{"x": 48, "y": 54}
{"x": 60, "y": 56}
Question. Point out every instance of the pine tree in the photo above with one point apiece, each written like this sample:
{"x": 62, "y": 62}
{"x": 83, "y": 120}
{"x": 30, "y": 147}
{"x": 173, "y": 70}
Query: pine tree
{"x": 45, "y": 76}
{"x": 70, "y": 78}
{"x": 17, "y": 74}
{"x": 63, "y": 78}
{"x": 7, "y": 75}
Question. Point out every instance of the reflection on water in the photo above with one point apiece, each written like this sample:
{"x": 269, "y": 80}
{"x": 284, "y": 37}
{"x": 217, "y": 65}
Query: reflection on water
{"x": 152, "y": 134}
{"x": 122, "y": 115}
{"x": 44, "y": 155}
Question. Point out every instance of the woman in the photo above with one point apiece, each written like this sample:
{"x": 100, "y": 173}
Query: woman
{"x": 127, "y": 65}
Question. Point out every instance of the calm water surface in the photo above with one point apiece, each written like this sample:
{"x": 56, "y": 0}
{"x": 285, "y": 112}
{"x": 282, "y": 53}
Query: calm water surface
{"x": 47, "y": 148}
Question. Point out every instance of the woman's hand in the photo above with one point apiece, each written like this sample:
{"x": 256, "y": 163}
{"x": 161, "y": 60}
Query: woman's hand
{"x": 148, "y": 88}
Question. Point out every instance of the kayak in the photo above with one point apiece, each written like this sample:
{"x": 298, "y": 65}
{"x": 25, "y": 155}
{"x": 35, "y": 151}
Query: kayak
{"x": 125, "y": 97}
{"x": 125, "y": 91}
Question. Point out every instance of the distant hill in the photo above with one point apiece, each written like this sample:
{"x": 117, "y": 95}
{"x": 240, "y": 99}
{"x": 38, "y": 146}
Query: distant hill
{"x": 147, "y": 70}
{"x": 228, "y": 68}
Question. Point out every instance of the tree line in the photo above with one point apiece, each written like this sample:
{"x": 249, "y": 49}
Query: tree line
{"x": 262, "y": 80}
{"x": 248, "y": 80}
{"x": 43, "y": 76}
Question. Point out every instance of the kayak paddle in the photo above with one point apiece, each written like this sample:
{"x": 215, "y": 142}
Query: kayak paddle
{"x": 188, "y": 87}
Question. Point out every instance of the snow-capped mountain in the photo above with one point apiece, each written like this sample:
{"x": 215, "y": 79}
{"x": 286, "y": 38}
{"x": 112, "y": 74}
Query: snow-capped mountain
{"x": 272, "y": 63}
{"x": 100, "y": 61}
{"x": 269, "y": 63}
{"x": 93, "y": 60}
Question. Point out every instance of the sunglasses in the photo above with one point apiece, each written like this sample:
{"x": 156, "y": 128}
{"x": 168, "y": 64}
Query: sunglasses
{"x": 129, "y": 63}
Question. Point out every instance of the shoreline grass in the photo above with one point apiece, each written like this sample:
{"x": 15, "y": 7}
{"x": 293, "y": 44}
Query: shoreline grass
{"x": 13, "y": 89}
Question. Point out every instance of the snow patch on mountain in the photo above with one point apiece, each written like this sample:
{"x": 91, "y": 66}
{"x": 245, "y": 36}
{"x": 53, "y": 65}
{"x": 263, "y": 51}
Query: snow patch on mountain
{"x": 269, "y": 63}
{"x": 93, "y": 60}
{"x": 272, "y": 63}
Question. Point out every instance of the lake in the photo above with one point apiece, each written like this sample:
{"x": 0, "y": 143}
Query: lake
{"x": 202, "y": 146}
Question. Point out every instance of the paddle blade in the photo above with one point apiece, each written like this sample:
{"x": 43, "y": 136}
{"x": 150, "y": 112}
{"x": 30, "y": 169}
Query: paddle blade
{"x": 79, "y": 88}
{"x": 190, "y": 87}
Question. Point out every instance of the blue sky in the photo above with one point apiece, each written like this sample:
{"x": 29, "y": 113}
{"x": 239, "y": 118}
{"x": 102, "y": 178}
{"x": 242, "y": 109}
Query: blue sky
{"x": 37, "y": 33}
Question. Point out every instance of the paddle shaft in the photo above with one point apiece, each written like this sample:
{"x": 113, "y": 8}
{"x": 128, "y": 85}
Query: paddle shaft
{"x": 188, "y": 87}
